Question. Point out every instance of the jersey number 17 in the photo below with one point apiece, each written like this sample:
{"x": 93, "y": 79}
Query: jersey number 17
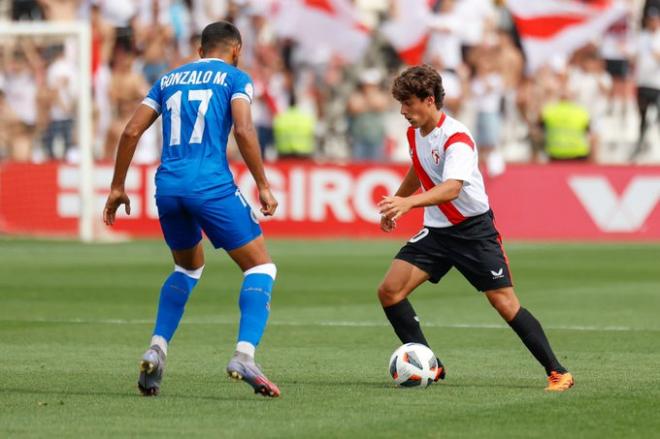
{"x": 174, "y": 106}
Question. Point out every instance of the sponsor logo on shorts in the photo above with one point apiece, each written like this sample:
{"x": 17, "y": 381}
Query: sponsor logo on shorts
{"x": 497, "y": 274}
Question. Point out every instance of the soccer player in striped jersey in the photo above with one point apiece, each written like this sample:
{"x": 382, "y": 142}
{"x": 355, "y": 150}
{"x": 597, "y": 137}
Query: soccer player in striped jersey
{"x": 459, "y": 229}
{"x": 195, "y": 192}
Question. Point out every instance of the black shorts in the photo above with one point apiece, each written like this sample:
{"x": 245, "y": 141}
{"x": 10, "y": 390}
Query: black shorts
{"x": 617, "y": 68}
{"x": 474, "y": 247}
{"x": 648, "y": 96}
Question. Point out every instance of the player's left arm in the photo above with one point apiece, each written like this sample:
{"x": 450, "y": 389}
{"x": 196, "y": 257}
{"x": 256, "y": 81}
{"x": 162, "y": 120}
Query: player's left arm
{"x": 142, "y": 119}
{"x": 248, "y": 145}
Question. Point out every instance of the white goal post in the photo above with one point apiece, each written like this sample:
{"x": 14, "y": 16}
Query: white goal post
{"x": 80, "y": 30}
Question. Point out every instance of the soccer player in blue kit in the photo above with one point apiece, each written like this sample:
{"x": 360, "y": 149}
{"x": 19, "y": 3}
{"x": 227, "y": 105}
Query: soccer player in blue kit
{"x": 195, "y": 191}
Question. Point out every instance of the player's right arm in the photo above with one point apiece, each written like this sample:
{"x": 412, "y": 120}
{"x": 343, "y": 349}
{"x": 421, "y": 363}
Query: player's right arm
{"x": 248, "y": 144}
{"x": 142, "y": 119}
{"x": 409, "y": 186}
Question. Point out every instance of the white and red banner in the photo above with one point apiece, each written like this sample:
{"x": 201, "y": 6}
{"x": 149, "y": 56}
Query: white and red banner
{"x": 551, "y": 28}
{"x": 534, "y": 202}
{"x": 409, "y": 29}
{"x": 322, "y": 28}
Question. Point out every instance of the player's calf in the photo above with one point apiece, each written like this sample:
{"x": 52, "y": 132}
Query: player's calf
{"x": 173, "y": 298}
{"x": 533, "y": 337}
{"x": 505, "y": 301}
{"x": 254, "y": 302}
{"x": 405, "y": 322}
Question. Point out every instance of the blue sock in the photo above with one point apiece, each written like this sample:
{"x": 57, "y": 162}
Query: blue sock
{"x": 173, "y": 298}
{"x": 254, "y": 303}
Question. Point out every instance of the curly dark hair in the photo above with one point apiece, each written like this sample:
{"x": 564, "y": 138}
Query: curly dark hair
{"x": 421, "y": 81}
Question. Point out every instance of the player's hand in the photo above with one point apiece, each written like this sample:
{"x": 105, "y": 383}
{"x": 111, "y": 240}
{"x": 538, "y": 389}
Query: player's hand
{"x": 394, "y": 208}
{"x": 387, "y": 225}
{"x": 268, "y": 202}
{"x": 116, "y": 198}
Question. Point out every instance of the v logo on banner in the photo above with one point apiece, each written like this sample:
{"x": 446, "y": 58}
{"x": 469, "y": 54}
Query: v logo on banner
{"x": 612, "y": 213}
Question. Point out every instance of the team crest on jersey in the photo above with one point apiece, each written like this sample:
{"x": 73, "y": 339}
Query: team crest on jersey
{"x": 436, "y": 156}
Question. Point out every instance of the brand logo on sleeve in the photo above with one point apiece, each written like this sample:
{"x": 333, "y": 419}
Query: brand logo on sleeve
{"x": 249, "y": 90}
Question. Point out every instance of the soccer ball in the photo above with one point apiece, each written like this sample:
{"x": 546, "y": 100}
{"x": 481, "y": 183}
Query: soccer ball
{"x": 413, "y": 365}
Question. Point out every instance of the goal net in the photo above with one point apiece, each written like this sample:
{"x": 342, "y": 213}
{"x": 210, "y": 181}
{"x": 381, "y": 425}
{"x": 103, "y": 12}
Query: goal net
{"x": 47, "y": 182}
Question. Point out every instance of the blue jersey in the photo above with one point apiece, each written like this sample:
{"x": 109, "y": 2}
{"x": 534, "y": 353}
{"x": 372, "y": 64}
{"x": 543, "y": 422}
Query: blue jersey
{"x": 195, "y": 102}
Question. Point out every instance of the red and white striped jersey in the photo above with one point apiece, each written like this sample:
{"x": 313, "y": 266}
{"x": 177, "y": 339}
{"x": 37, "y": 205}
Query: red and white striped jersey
{"x": 449, "y": 153}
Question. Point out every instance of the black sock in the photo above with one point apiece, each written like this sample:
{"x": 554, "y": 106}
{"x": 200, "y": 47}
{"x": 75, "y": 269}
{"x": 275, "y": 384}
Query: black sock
{"x": 531, "y": 333}
{"x": 403, "y": 319}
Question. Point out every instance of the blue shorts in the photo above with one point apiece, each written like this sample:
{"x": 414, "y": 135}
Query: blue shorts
{"x": 228, "y": 221}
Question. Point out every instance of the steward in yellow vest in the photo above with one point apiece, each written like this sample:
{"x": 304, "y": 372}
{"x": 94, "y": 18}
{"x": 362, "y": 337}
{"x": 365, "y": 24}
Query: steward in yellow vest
{"x": 294, "y": 133}
{"x": 566, "y": 128}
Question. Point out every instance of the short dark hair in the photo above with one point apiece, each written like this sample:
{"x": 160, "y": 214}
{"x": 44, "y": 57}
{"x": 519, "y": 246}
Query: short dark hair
{"x": 220, "y": 33}
{"x": 421, "y": 81}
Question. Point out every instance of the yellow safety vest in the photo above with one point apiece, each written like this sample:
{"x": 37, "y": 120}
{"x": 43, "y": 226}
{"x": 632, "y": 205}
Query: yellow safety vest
{"x": 566, "y": 130}
{"x": 294, "y": 132}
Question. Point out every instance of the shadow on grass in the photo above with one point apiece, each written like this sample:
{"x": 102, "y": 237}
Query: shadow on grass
{"x": 389, "y": 385}
{"x": 248, "y": 397}
{"x": 491, "y": 385}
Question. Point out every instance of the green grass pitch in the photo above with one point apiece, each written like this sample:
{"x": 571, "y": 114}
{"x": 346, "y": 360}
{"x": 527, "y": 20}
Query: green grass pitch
{"x": 74, "y": 320}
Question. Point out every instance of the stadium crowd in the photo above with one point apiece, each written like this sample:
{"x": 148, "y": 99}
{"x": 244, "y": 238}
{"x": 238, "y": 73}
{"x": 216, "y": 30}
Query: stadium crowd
{"x": 325, "y": 107}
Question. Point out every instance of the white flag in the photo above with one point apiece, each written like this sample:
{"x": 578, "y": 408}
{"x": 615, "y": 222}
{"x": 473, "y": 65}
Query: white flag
{"x": 549, "y": 28}
{"x": 323, "y": 28}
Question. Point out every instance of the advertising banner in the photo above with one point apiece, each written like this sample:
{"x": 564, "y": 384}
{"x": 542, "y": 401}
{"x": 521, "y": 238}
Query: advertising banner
{"x": 532, "y": 202}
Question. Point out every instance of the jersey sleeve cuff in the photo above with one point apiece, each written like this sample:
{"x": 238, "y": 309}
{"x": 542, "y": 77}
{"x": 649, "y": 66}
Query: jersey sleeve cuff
{"x": 241, "y": 96}
{"x": 152, "y": 104}
{"x": 463, "y": 178}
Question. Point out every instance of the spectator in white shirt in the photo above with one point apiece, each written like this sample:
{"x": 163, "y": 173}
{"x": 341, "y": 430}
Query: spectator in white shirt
{"x": 487, "y": 92}
{"x": 21, "y": 95}
{"x": 616, "y": 48}
{"x": 62, "y": 85}
{"x": 366, "y": 108}
{"x": 453, "y": 83}
{"x": 589, "y": 85}
{"x": 648, "y": 72}
{"x": 444, "y": 38}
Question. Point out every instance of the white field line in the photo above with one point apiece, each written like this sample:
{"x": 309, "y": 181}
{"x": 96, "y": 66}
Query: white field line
{"x": 330, "y": 323}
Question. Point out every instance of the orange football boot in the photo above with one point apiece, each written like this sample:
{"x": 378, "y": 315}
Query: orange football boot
{"x": 559, "y": 382}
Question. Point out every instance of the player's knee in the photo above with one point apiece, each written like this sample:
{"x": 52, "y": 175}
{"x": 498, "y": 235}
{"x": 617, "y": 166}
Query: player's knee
{"x": 388, "y": 294}
{"x": 195, "y": 273}
{"x": 190, "y": 259}
{"x": 504, "y": 300}
{"x": 269, "y": 269}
